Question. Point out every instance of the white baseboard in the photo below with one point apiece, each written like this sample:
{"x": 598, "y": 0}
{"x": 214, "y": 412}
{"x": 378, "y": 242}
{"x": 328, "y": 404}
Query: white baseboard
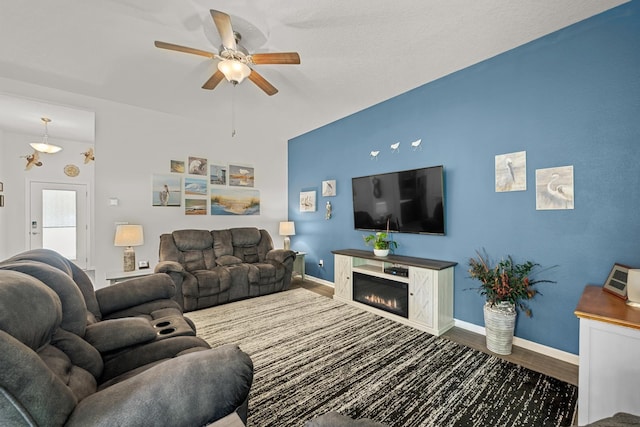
{"x": 529, "y": 345}
{"x": 318, "y": 280}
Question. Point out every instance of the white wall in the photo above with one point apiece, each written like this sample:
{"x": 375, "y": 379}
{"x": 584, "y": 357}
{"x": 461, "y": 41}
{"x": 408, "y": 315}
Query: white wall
{"x": 17, "y": 180}
{"x": 134, "y": 143}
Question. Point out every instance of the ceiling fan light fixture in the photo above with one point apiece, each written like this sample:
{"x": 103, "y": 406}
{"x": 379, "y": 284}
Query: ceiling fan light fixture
{"x": 234, "y": 71}
{"x": 44, "y": 146}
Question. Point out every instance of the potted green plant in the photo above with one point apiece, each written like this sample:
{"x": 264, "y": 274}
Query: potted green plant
{"x": 381, "y": 244}
{"x": 506, "y": 286}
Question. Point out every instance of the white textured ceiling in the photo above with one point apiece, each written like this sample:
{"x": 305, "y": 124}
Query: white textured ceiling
{"x": 354, "y": 53}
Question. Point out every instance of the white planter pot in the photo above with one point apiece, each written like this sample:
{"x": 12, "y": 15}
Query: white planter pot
{"x": 381, "y": 252}
{"x": 499, "y": 323}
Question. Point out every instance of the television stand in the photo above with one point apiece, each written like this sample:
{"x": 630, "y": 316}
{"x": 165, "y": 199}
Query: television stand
{"x": 429, "y": 283}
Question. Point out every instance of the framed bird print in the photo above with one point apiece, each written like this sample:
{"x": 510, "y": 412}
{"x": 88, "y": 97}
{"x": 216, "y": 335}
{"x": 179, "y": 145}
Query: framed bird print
{"x": 329, "y": 188}
{"x": 511, "y": 172}
{"x": 167, "y": 190}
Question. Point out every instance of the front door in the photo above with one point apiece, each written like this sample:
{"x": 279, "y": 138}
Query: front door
{"x": 59, "y": 219}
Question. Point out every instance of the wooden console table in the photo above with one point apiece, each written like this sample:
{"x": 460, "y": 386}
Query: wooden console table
{"x": 609, "y": 351}
{"x": 430, "y": 286}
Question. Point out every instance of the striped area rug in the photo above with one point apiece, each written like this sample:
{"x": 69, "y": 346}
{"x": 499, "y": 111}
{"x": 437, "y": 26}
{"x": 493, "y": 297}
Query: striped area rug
{"x": 312, "y": 355}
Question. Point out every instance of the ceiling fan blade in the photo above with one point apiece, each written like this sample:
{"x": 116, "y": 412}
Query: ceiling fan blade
{"x": 171, "y": 46}
{"x": 213, "y": 81}
{"x": 223, "y": 24}
{"x": 260, "y": 81}
{"x": 276, "y": 58}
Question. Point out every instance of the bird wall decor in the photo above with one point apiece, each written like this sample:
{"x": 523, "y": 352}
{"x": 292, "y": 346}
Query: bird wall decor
{"x": 416, "y": 144}
{"x": 32, "y": 160}
{"x": 88, "y": 155}
{"x": 395, "y": 148}
{"x": 374, "y": 155}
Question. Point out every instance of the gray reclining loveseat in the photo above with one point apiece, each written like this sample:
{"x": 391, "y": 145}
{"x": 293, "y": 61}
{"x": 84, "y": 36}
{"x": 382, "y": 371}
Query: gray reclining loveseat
{"x": 220, "y": 266}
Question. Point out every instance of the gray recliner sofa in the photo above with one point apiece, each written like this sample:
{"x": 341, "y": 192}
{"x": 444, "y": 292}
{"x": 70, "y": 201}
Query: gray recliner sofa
{"x": 63, "y": 364}
{"x": 215, "y": 267}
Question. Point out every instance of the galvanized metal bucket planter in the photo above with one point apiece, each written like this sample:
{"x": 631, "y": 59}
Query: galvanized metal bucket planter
{"x": 499, "y": 323}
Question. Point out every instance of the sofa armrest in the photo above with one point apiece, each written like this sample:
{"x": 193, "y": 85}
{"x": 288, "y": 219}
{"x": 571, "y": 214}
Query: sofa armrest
{"x": 116, "y": 334}
{"x": 281, "y": 255}
{"x": 192, "y": 389}
{"x": 134, "y": 292}
{"x": 169, "y": 267}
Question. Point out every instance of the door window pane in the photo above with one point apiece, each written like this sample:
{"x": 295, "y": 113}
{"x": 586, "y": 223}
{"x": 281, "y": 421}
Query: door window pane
{"x": 59, "y": 222}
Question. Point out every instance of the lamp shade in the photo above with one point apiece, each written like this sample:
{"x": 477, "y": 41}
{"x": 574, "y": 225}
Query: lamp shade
{"x": 287, "y": 228}
{"x": 233, "y": 70}
{"x": 129, "y": 235}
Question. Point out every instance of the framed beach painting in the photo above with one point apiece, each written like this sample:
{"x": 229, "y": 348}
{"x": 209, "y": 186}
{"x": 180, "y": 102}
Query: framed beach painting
{"x": 195, "y": 186}
{"x": 241, "y": 176}
{"x": 195, "y": 206}
{"x": 230, "y": 201}
{"x": 166, "y": 189}
{"x": 177, "y": 166}
{"x": 217, "y": 175}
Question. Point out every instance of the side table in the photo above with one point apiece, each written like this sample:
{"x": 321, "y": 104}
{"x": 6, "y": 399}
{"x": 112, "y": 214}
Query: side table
{"x": 298, "y": 264}
{"x": 120, "y": 276}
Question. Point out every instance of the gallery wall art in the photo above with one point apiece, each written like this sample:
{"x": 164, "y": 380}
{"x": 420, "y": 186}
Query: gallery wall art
{"x": 217, "y": 175}
{"x": 241, "y": 176}
{"x": 198, "y": 166}
{"x": 195, "y": 186}
{"x": 195, "y": 206}
{"x": 166, "y": 189}
{"x": 229, "y": 201}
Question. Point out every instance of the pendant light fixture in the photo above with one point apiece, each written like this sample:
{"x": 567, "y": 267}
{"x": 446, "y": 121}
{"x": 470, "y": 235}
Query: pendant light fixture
{"x": 44, "y": 146}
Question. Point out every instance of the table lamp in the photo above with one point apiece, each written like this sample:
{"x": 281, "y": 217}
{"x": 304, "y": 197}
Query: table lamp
{"x": 129, "y": 236}
{"x": 287, "y": 228}
{"x": 633, "y": 287}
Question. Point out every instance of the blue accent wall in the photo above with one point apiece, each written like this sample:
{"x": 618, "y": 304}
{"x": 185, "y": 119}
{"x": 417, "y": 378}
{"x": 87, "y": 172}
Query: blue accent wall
{"x": 570, "y": 98}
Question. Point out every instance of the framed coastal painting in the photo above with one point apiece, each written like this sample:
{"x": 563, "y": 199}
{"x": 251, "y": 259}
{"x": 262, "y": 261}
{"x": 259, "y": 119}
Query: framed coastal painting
{"x": 177, "y": 166}
{"x": 195, "y": 206}
{"x": 241, "y": 176}
{"x": 217, "y": 175}
{"x": 231, "y": 201}
{"x": 166, "y": 189}
{"x": 195, "y": 186}
{"x": 198, "y": 166}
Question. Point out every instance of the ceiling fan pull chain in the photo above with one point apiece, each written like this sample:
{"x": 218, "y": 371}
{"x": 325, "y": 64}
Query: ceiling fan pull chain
{"x": 233, "y": 111}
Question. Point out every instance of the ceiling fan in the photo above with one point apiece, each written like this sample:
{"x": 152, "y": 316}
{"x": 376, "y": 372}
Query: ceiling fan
{"x": 235, "y": 62}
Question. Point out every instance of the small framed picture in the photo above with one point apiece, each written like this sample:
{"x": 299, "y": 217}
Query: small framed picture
{"x": 1, "y": 201}
{"x": 616, "y": 283}
{"x": 143, "y": 264}
{"x": 329, "y": 188}
{"x": 1, "y": 186}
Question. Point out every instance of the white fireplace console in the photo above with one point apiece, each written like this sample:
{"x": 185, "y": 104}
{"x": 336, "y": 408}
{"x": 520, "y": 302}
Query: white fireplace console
{"x": 430, "y": 285}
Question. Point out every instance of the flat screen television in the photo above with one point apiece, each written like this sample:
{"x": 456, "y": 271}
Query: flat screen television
{"x": 410, "y": 201}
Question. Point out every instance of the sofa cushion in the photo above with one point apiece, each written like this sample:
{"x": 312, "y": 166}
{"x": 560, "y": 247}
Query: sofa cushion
{"x": 196, "y": 247}
{"x": 222, "y": 242}
{"x": 228, "y": 260}
{"x": 212, "y": 282}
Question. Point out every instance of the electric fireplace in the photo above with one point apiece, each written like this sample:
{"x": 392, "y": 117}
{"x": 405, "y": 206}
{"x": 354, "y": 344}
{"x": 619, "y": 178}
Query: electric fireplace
{"x": 384, "y": 294}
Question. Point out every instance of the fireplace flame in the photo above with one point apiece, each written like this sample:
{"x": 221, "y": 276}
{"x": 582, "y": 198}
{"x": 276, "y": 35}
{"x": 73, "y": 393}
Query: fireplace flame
{"x": 375, "y": 299}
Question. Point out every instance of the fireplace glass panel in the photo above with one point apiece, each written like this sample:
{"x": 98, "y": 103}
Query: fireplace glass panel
{"x": 387, "y": 295}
